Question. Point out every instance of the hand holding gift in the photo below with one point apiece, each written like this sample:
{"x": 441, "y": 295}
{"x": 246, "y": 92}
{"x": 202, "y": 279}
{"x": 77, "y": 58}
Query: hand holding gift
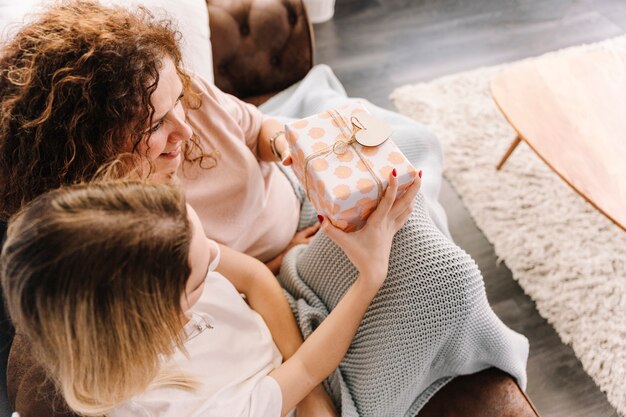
{"x": 369, "y": 247}
{"x": 343, "y": 158}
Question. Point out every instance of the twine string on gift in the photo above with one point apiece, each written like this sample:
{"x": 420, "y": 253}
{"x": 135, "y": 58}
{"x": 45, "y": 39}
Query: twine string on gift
{"x": 340, "y": 147}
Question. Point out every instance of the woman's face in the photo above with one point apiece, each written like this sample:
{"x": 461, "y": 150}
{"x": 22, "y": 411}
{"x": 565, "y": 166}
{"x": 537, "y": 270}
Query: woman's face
{"x": 163, "y": 140}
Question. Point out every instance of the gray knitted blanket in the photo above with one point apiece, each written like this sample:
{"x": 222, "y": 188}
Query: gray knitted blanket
{"x": 430, "y": 321}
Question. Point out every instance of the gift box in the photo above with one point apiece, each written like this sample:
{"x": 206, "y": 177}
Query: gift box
{"x": 343, "y": 158}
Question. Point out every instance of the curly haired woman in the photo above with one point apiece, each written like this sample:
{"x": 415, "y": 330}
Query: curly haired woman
{"x": 85, "y": 85}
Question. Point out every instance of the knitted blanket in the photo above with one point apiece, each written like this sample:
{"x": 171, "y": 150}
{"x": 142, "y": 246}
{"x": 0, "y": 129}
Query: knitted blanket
{"x": 430, "y": 320}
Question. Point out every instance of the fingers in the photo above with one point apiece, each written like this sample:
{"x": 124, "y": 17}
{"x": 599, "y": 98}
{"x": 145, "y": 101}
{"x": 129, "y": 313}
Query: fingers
{"x": 407, "y": 199}
{"x": 274, "y": 264}
{"x": 335, "y": 234}
{"x": 309, "y": 232}
{"x": 287, "y": 159}
{"x": 388, "y": 198}
{"x": 304, "y": 235}
{"x": 412, "y": 190}
{"x": 403, "y": 217}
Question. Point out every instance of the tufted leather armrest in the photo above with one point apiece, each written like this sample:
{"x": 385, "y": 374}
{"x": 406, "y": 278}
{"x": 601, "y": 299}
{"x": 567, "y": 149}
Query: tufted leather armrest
{"x": 489, "y": 393}
{"x": 259, "y": 46}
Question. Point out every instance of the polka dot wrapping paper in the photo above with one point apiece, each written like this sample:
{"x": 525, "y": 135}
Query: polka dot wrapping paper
{"x": 343, "y": 179}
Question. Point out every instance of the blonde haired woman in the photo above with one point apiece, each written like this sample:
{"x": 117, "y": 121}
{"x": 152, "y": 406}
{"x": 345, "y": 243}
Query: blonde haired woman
{"x": 135, "y": 312}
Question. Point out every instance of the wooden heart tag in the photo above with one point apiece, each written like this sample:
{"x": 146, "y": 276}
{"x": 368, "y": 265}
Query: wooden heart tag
{"x": 373, "y": 131}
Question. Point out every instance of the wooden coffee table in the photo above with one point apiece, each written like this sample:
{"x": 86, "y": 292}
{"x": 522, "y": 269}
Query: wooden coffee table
{"x": 570, "y": 109}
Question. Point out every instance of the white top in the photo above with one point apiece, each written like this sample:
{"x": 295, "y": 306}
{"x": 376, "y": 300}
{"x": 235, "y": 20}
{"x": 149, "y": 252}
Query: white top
{"x": 231, "y": 352}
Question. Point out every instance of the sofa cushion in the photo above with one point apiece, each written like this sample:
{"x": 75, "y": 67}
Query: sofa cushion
{"x": 259, "y": 46}
{"x": 191, "y": 18}
{"x": 12, "y": 13}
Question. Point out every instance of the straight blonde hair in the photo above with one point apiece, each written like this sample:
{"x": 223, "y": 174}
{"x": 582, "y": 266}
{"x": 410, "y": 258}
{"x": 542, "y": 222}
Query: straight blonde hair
{"x": 93, "y": 276}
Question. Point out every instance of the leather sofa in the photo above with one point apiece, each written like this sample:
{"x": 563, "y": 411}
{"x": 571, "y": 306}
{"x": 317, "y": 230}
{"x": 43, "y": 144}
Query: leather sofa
{"x": 259, "y": 48}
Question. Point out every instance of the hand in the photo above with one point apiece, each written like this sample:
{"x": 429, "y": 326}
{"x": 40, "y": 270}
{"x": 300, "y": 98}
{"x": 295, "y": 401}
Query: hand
{"x": 283, "y": 148}
{"x": 368, "y": 248}
{"x": 287, "y": 159}
{"x": 301, "y": 237}
{"x": 316, "y": 404}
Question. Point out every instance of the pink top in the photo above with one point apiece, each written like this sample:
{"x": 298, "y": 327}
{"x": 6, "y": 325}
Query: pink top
{"x": 243, "y": 203}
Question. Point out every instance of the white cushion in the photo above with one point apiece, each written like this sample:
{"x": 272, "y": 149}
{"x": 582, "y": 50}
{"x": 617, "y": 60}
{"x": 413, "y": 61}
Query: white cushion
{"x": 12, "y": 13}
{"x": 191, "y": 18}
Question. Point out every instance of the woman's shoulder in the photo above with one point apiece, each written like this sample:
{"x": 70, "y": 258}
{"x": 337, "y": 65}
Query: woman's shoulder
{"x": 200, "y": 87}
{"x": 205, "y": 89}
{"x": 212, "y": 95}
{"x": 218, "y": 290}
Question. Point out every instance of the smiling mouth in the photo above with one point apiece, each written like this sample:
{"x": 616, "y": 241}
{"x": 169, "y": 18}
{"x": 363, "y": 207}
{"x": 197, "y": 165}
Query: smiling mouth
{"x": 171, "y": 154}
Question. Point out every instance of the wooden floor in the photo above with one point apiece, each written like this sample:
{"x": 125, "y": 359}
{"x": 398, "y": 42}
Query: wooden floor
{"x": 375, "y": 46}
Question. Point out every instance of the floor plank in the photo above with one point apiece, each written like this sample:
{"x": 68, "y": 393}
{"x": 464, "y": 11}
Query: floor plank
{"x": 375, "y": 46}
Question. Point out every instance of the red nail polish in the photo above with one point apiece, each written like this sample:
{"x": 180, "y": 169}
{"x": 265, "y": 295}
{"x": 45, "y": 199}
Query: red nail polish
{"x": 394, "y": 172}
{"x": 320, "y": 218}
{"x": 420, "y": 173}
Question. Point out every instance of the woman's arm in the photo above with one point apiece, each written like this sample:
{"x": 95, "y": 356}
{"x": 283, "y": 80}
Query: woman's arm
{"x": 271, "y": 128}
{"x": 264, "y": 295}
{"x": 323, "y": 350}
{"x": 368, "y": 249}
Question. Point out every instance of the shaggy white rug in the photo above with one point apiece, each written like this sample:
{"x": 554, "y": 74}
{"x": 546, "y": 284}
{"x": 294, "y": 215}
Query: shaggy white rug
{"x": 569, "y": 258}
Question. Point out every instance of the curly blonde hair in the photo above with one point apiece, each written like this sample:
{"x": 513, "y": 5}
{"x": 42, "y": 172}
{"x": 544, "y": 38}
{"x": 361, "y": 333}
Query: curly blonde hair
{"x": 75, "y": 89}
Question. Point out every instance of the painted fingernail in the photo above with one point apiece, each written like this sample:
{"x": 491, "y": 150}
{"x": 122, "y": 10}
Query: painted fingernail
{"x": 394, "y": 172}
{"x": 420, "y": 173}
{"x": 320, "y": 218}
